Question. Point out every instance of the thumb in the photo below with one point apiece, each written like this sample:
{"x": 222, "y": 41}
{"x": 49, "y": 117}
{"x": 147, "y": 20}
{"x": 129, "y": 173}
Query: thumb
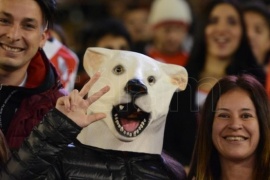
{"x": 95, "y": 117}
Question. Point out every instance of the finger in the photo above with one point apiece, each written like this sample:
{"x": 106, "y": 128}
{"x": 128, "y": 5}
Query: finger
{"x": 95, "y": 117}
{"x": 89, "y": 84}
{"x": 74, "y": 99}
{"x": 66, "y": 102}
{"x": 97, "y": 95}
{"x": 61, "y": 101}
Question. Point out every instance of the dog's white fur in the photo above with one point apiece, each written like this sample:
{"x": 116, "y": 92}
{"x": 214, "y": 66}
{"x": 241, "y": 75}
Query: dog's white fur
{"x": 117, "y": 68}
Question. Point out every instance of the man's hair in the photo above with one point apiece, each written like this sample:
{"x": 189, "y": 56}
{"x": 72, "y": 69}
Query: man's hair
{"x": 48, "y": 8}
{"x": 91, "y": 35}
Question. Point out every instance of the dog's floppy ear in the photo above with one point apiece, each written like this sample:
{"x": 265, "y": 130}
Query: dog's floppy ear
{"x": 178, "y": 74}
{"x": 93, "y": 58}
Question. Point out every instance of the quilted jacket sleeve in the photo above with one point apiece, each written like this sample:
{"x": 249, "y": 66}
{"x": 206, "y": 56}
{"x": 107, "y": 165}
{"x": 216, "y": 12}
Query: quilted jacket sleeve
{"x": 38, "y": 156}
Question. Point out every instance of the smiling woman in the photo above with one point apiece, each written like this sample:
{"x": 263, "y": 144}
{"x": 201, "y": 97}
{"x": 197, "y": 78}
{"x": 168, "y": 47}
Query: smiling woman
{"x": 220, "y": 48}
{"x": 235, "y": 127}
{"x": 234, "y": 132}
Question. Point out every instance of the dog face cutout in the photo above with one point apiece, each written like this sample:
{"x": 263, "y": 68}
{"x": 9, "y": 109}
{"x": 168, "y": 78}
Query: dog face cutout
{"x": 137, "y": 104}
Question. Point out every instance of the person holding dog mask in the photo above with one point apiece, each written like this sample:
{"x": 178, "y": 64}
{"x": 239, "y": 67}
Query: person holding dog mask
{"x": 49, "y": 146}
{"x": 30, "y": 85}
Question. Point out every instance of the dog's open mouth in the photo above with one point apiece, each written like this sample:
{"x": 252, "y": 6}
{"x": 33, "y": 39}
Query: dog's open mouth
{"x": 129, "y": 119}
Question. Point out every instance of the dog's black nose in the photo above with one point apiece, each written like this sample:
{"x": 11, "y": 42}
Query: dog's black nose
{"x": 135, "y": 88}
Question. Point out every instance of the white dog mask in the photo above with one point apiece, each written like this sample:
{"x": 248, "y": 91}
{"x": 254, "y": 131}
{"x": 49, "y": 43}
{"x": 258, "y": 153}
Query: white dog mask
{"x": 137, "y": 104}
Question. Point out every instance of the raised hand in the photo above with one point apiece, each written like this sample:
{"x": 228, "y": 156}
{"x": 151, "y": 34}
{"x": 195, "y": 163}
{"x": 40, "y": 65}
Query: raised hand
{"x": 74, "y": 106}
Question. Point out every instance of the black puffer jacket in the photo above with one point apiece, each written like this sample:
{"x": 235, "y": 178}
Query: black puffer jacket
{"x": 48, "y": 153}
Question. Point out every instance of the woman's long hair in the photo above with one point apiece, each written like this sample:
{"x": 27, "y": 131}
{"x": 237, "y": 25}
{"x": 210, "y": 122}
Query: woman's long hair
{"x": 260, "y": 8}
{"x": 4, "y": 151}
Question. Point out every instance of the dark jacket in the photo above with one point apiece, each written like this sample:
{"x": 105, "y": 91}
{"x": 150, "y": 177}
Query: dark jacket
{"x": 49, "y": 153}
{"x": 181, "y": 126}
{"x": 22, "y": 108}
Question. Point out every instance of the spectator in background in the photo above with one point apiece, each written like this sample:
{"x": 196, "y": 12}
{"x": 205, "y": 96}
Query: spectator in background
{"x": 257, "y": 19}
{"x": 170, "y": 21}
{"x": 233, "y": 140}
{"x": 220, "y": 48}
{"x": 107, "y": 33}
{"x": 64, "y": 59}
{"x": 135, "y": 18}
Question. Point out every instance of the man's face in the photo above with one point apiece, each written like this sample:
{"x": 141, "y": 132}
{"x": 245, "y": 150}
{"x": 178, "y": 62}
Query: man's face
{"x": 170, "y": 37}
{"x": 137, "y": 24}
{"x": 21, "y": 33}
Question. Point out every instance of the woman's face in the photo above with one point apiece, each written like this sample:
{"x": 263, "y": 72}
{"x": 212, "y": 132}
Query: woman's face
{"x": 235, "y": 130}
{"x": 223, "y": 32}
{"x": 259, "y": 34}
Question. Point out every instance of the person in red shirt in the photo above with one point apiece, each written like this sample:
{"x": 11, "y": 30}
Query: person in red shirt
{"x": 170, "y": 22}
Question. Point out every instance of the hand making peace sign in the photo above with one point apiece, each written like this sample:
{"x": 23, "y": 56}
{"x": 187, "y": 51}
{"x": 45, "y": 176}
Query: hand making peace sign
{"x": 74, "y": 106}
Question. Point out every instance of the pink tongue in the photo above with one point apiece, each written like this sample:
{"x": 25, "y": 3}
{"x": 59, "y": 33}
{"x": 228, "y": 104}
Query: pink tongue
{"x": 129, "y": 125}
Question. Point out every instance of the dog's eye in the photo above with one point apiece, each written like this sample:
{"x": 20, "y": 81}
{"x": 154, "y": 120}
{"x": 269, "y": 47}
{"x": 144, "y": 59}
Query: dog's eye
{"x": 151, "y": 80}
{"x": 119, "y": 69}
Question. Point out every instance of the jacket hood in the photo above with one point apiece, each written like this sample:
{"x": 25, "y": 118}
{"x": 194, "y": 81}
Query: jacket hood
{"x": 41, "y": 75}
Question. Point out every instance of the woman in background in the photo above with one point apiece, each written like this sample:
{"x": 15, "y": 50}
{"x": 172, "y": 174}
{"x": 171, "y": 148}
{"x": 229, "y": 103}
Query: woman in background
{"x": 220, "y": 48}
{"x": 257, "y": 19}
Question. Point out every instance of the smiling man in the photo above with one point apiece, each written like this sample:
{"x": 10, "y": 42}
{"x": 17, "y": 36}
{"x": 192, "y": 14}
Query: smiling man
{"x": 30, "y": 85}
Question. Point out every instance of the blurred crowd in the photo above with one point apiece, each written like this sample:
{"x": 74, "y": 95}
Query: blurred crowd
{"x": 80, "y": 21}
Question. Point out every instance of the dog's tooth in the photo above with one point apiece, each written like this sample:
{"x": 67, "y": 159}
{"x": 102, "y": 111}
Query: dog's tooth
{"x": 119, "y": 126}
{"x": 138, "y": 110}
{"x": 144, "y": 120}
{"x": 116, "y": 115}
{"x": 130, "y": 134}
{"x": 125, "y": 132}
{"x": 134, "y": 133}
{"x": 117, "y": 122}
{"x": 139, "y": 127}
{"x": 121, "y": 129}
{"x": 142, "y": 123}
{"x": 121, "y": 107}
